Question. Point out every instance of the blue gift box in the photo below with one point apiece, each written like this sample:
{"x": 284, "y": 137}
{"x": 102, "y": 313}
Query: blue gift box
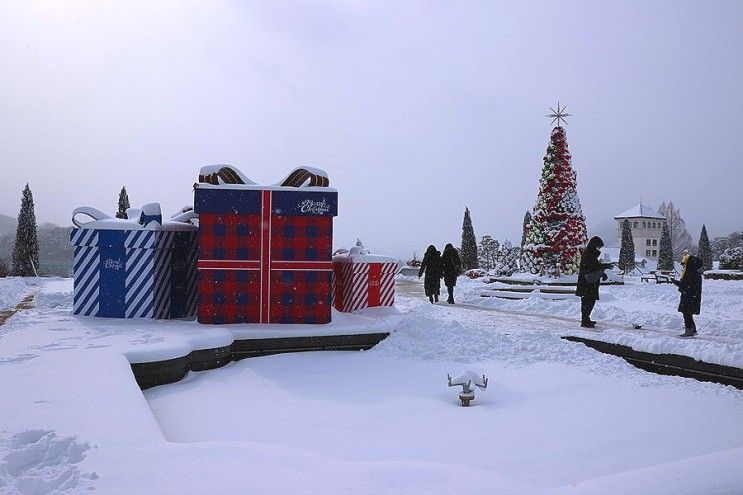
{"x": 139, "y": 267}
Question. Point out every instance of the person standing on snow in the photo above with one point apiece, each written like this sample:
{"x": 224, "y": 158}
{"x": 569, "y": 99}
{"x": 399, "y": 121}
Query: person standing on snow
{"x": 431, "y": 265}
{"x": 690, "y": 287}
{"x": 590, "y": 274}
{"x": 452, "y": 267}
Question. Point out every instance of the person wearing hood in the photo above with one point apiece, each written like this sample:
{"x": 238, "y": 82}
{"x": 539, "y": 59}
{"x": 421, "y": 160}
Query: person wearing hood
{"x": 690, "y": 287}
{"x": 452, "y": 267}
{"x": 432, "y": 267}
{"x": 590, "y": 274}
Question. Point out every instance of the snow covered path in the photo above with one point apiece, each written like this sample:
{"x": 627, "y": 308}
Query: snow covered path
{"x": 720, "y": 325}
{"x": 557, "y": 418}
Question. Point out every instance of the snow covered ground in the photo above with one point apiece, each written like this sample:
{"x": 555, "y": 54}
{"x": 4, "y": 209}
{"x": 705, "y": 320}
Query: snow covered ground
{"x": 12, "y": 290}
{"x": 653, "y": 306}
{"x": 557, "y": 417}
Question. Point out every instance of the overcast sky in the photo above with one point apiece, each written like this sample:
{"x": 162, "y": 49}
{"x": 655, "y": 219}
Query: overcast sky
{"x": 415, "y": 109}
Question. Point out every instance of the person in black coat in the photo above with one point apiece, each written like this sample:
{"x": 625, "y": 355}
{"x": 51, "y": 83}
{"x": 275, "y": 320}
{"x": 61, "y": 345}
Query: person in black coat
{"x": 590, "y": 274}
{"x": 690, "y": 287}
{"x": 432, "y": 267}
{"x": 452, "y": 267}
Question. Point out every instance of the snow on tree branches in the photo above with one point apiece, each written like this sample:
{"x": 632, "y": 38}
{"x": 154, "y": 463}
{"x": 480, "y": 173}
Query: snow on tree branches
{"x": 525, "y": 228}
{"x": 123, "y": 203}
{"x": 627, "y": 249}
{"x": 705, "y": 250}
{"x": 488, "y": 252}
{"x": 732, "y": 259}
{"x": 665, "y": 250}
{"x": 509, "y": 259}
{"x": 557, "y": 231}
{"x": 680, "y": 238}
{"x": 468, "y": 252}
{"x": 26, "y": 249}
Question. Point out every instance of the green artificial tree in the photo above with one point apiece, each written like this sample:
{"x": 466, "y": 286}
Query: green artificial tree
{"x": 26, "y": 248}
{"x": 123, "y": 203}
{"x": 468, "y": 253}
{"x": 627, "y": 249}
{"x": 705, "y": 250}
{"x": 665, "y": 250}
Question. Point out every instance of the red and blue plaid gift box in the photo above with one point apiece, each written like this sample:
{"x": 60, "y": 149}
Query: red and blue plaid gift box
{"x": 265, "y": 252}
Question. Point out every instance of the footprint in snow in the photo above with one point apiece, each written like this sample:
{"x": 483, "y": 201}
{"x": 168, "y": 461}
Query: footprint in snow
{"x": 42, "y": 463}
{"x": 20, "y": 358}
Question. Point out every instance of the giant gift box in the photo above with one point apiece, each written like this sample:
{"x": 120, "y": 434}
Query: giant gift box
{"x": 265, "y": 252}
{"x": 363, "y": 280}
{"x": 140, "y": 267}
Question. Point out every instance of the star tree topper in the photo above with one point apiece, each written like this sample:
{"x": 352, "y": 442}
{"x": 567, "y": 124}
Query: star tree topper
{"x": 560, "y": 115}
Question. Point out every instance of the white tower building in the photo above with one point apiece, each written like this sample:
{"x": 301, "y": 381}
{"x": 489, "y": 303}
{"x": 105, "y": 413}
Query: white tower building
{"x": 646, "y": 226}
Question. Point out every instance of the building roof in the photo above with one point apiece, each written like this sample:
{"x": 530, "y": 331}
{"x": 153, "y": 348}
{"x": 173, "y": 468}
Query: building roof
{"x": 640, "y": 211}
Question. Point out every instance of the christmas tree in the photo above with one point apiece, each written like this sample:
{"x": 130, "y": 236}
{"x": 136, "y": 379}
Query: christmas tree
{"x": 705, "y": 250}
{"x": 468, "y": 253}
{"x": 26, "y": 249}
{"x": 123, "y": 203}
{"x": 665, "y": 250}
{"x": 627, "y": 249}
{"x": 557, "y": 232}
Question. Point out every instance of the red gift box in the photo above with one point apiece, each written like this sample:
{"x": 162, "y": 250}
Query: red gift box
{"x": 361, "y": 280}
{"x": 264, "y": 251}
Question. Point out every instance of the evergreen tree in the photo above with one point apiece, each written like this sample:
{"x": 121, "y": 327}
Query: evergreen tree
{"x": 123, "y": 203}
{"x": 4, "y": 272}
{"x": 487, "y": 252}
{"x": 627, "y": 250}
{"x": 509, "y": 259}
{"x": 680, "y": 237}
{"x": 665, "y": 250}
{"x": 705, "y": 250}
{"x": 557, "y": 231}
{"x": 525, "y": 228}
{"x": 468, "y": 253}
{"x": 732, "y": 259}
{"x": 720, "y": 244}
{"x": 26, "y": 249}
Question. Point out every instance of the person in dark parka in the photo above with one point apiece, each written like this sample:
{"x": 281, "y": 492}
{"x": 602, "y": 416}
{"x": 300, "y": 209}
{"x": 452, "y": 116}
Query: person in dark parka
{"x": 432, "y": 267}
{"x": 690, "y": 287}
{"x": 590, "y": 273}
{"x": 452, "y": 267}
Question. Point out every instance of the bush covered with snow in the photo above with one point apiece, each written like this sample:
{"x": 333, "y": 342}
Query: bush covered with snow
{"x": 732, "y": 259}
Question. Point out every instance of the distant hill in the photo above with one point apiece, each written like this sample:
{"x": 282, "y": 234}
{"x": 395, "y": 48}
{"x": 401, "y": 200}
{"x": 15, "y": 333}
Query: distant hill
{"x": 7, "y": 224}
{"x": 55, "y": 251}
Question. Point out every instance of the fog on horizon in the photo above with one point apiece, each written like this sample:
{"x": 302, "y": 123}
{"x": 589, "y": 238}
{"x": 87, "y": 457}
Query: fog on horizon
{"x": 415, "y": 109}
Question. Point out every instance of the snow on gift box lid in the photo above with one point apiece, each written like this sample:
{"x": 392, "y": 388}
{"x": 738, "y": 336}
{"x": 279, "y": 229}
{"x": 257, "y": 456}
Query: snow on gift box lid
{"x": 149, "y": 217}
{"x": 137, "y": 267}
{"x": 304, "y": 191}
{"x": 358, "y": 254}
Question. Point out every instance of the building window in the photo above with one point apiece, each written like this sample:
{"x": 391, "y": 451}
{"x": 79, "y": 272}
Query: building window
{"x": 647, "y": 242}
{"x": 644, "y": 226}
{"x": 655, "y": 253}
{"x": 655, "y": 242}
{"x": 653, "y": 224}
{"x": 647, "y": 252}
{"x": 634, "y": 225}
